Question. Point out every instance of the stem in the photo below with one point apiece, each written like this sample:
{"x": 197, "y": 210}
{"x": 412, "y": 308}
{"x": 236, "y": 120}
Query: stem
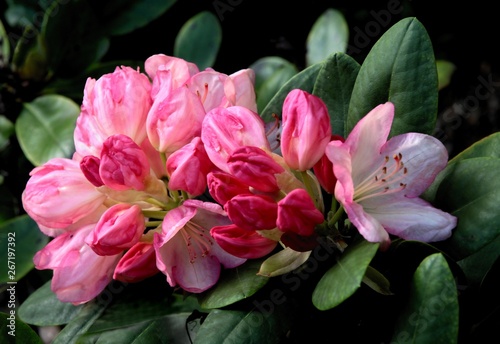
{"x": 336, "y": 217}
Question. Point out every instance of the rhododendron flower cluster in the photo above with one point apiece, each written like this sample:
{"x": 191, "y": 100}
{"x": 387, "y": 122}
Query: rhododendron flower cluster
{"x": 175, "y": 172}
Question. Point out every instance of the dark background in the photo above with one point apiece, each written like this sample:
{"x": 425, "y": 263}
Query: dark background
{"x": 464, "y": 33}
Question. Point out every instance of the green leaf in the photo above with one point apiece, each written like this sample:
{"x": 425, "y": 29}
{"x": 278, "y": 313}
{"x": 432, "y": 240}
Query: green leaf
{"x": 329, "y": 34}
{"x": 6, "y": 131}
{"x": 486, "y": 147}
{"x": 29, "y": 60}
{"x": 400, "y": 68}
{"x": 234, "y": 285}
{"x": 118, "y": 17}
{"x": 431, "y": 315}
{"x": 21, "y": 239}
{"x": 268, "y": 323}
{"x": 199, "y": 40}
{"x": 471, "y": 191}
{"x": 14, "y": 330}
{"x": 378, "y": 282}
{"x": 271, "y": 72}
{"x": 445, "y": 70}
{"x": 43, "y": 308}
{"x": 304, "y": 80}
{"x": 345, "y": 277}
{"x": 334, "y": 86}
{"x": 45, "y": 128}
{"x": 477, "y": 265}
{"x": 4, "y": 46}
{"x": 167, "y": 329}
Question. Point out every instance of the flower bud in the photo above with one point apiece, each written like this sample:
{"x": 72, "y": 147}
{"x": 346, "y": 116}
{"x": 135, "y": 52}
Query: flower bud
{"x": 119, "y": 228}
{"x": 90, "y": 169}
{"x": 254, "y": 167}
{"x": 323, "y": 170}
{"x": 124, "y": 165}
{"x": 223, "y": 186}
{"x": 297, "y": 213}
{"x": 241, "y": 242}
{"x": 306, "y": 129}
{"x": 138, "y": 263}
{"x": 252, "y": 212}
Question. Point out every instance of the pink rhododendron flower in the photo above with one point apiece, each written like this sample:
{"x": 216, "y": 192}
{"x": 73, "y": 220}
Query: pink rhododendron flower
{"x": 116, "y": 103}
{"x": 186, "y": 252}
{"x": 252, "y": 212}
{"x": 180, "y": 69}
{"x": 80, "y": 274}
{"x": 241, "y": 91}
{"x": 188, "y": 168}
{"x": 137, "y": 264}
{"x": 306, "y": 129}
{"x": 379, "y": 181}
{"x": 119, "y": 228}
{"x": 58, "y": 194}
{"x": 223, "y": 186}
{"x": 323, "y": 170}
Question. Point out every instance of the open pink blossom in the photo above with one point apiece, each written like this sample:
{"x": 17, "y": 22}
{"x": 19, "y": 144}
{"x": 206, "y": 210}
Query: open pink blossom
{"x": 379, "y": 181}
{"x": 186, "y": 252}
{"x": 240, "y": 90}
{"x": 80, "y": 274}
{"x": 58, "y": 194}
{"x": 306, "y": 129}
{"x": 116, "y": 103}
{"x": 180, "y": 69}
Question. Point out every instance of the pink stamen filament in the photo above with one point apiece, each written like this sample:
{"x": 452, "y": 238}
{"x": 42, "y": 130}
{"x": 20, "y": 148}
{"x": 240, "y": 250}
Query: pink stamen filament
{"x": 203, "y": 96}
{"x": 197, "y": 240}
{"x": 383, "y": 181}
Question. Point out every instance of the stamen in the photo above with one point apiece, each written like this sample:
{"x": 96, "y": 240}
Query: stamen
{"x": 197, "y": 241}
{"x": 382, "y": 180}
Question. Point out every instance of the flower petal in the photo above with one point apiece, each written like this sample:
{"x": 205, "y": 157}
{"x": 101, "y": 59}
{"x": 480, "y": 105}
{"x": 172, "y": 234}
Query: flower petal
{"x": 367, "y": 225}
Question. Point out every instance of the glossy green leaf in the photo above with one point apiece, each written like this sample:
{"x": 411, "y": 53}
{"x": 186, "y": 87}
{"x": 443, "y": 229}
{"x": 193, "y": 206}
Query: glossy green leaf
{"x": 118, "y": 17}
{"x": 4, "y": 45}
{"x": 45, "y": 128}
{"x": 234, "y": 285}
{"x": 129, "y": 306}
{"x": 271, "y": 72}
{"x": 345, "y": 277}
{"x": 477, "y": 265}
{"x": 334, "y": 86}
{"x": 43, "y": 308}
{"x": 79, "y": 325}
{"x": 304, "y": 80}
{"x": 471, "y": 191}
{"x": 15, "y": 331}
{"x": 267, "y": 323}
{"x": 445, "y": 70}
{"x": 486, "y": 147}
{"x": 329, "y": 34}
{"x": 199, "y": 40}
{"x": 6, "y": 131}
{"x": 400, "y": 68}
{"x": 21, "y": 239}
{"x": 431, "y": 315}
{"x": 167, "y": 329}
{"x": 378, "y": 282}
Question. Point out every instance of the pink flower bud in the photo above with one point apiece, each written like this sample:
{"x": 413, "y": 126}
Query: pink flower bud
{"x": 58, "y": 194}
{"x": 119, "y": 228}
{"x": 254, "y": 167}
{"x": 323, "y": 170}
{"x": 124, "y": 165}
{"x": 226, "y": 129}
{"x": 90, "y": 169}
{"x": 175, "y": 120}
{"x": 306, "y": 130}
{"x": 297, "y": 213}
{"x": 117, "y": 103}
{"x": 180, "y": 69}
{"x": 252, "y": 212}
{"x": 223, "y": 186}
{"x": 241, "y": 242}
{"x": 188, "y": 168}
{"x": 138, "y": 263}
